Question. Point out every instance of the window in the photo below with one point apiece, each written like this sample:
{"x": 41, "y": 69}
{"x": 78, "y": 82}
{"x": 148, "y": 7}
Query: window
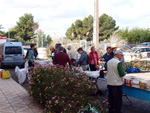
{"x": 145, "y": 50}
{"x": 13, "y": 50}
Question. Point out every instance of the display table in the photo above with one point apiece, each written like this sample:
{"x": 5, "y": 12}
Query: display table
{"x": 137, "y": 93}
{"x": 133, "y": 91}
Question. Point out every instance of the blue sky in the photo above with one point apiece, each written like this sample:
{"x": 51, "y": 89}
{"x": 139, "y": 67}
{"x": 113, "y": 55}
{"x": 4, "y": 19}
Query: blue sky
{"x": 55, "y": 16}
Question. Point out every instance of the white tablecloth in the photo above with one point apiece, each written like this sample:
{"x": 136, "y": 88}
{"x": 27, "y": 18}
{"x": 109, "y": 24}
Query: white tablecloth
{"x": 92, "y": 74}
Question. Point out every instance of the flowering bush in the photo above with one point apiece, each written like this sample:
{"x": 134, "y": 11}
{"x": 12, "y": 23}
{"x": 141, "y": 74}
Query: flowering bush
{"x": 59, "y": 89}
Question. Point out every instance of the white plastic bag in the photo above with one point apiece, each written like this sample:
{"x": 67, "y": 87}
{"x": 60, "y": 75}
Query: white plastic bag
{"x": 21, "y": 74}
{"x": 26, "y": 65}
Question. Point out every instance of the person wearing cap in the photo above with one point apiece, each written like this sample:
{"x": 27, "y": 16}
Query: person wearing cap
{"x": 72, "y": 53}
{"x": 114, "y": 48}
{"x": 115, "y": 72}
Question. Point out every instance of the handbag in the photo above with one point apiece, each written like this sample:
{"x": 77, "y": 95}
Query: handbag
{"x": 96, "y": 66}
{"x": 5, "y": 75}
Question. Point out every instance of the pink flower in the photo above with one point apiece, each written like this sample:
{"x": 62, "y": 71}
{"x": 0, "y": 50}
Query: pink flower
{"x": 69, "y": 105}
{"x": 54, "y": 97}
{"x": 56, "y": 102}
{"x": 50, "y": 101}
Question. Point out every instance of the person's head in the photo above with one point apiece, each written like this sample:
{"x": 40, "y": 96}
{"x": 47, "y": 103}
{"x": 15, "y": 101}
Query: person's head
{"x": 52, "y": 49}
{"x": 69, "y": 47}
{"x": 80, "y": 50}
{"x": 109, "y": 50}
{"x": 61, "y": 49}
{"x": 73, "y": 61}
{"x": 32, "y": 46}
{"x": 58, "y": 45}
{"x": 118, "y": 54}
{"x": 92, "y": 49}
{"x": 114, "y": 47}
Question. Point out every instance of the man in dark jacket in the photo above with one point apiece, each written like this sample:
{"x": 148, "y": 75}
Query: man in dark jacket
{"x": 61, "y": 58}
{"x": 83, "y": 60}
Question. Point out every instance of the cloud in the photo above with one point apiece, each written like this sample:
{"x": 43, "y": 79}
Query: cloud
{"x": 55, "y": 16}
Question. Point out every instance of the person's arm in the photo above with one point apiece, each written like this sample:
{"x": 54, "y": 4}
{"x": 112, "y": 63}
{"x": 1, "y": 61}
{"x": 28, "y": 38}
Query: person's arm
{"x": 69, "y": 54}
{"x": 54, "y": 60}
{"x": 30, "y": 56}
{"x": 68, "y": 60}
{"x": 97, "y": 58}
{"x": 36, "y": 52}
{"x": 81, "y": 59}
{"x": 27, "y": 54}
{"x": 103, "y": 58}
{"x": 121, "y": 69}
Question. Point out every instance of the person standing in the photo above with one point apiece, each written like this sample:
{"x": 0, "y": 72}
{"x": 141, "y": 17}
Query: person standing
{"x": 114, "y": 48}
{"x": 83, "y": 60}
{"x": 72, "y": 53}
{"x": 52, "y": 49}
{"x": 107, "y": 56}
{"x": 35, "y": 53}
{"x": 93, "y": 55}
{"x": 31, "y": 56}
{"x": 115, "y": 72}
{"x": 61, "y": 58}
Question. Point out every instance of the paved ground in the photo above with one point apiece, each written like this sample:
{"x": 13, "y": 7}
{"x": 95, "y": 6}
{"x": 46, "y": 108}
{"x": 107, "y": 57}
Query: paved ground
{"x": 138, "y": 106}
{"x": 15, "y": 99}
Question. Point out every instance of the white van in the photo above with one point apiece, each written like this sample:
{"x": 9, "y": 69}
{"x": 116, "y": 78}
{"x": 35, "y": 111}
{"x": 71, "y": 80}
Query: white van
{"x": 12, "y": 54}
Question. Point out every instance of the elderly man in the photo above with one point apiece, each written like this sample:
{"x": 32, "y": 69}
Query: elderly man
{"x": 115, "y": 72}
{"x": 61, "y": 58}
{"x": 72, "y": 53}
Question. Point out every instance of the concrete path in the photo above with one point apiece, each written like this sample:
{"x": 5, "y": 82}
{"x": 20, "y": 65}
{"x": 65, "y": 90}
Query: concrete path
{"x": 15, "y": 99}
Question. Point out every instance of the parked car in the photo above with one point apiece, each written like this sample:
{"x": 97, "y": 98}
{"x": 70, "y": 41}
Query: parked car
{"x": 12, "y": 54}
{"x": 144, "y": 44}
{"x": 139, "y": 52}
{"x": 127, "y": 48}
{"x": 26, "y": 48}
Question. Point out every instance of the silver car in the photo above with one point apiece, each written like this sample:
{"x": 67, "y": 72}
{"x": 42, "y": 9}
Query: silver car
{"x": 12, "y": 54}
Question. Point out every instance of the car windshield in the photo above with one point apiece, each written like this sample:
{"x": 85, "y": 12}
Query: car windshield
{"x": 13, "y": 50}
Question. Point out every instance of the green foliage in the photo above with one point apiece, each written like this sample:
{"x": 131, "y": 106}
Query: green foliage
{"x": 60, "y": 89}
{"x": 26, "y": 26}
{"x": 12, "y": 33}
{"x": 43, "y": 38}
{"x": 135, "y": 35}
{"x": 84, "y": 29}
{"x": 107, "y": 26}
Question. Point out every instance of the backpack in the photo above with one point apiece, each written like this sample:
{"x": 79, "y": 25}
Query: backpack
{"x": 88, "y": 59}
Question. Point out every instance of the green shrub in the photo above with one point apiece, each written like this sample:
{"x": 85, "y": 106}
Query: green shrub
{"x": 60, "y": 90}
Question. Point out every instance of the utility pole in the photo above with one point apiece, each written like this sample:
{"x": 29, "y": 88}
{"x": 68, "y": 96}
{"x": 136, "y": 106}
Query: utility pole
{"x": 96, "y": 24}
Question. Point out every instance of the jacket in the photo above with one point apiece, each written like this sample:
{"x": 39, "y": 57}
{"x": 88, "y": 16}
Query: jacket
{"x": 61, "y": 58}
{"x": 91, "y": 57}
{"x": 83, "y": 59}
